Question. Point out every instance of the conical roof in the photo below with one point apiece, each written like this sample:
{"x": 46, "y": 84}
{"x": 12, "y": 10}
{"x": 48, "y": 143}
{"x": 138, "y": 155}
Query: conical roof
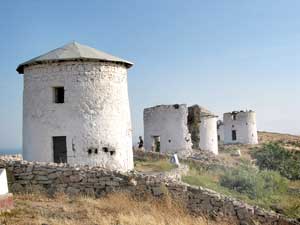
{"x": 73, "y": 51}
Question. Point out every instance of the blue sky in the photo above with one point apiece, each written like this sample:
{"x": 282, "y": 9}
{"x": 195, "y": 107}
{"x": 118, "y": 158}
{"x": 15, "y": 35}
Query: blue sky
{"x": 224, "y": 55}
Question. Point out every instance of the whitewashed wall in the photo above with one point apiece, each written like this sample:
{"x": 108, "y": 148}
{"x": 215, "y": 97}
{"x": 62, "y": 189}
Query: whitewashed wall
{"x": 3, "y": 182}
{"x": 95, "y": 114}
{"x": 208, "y": 134}
{"x": 170, "y": 123}
{"x": 245, "y": 126}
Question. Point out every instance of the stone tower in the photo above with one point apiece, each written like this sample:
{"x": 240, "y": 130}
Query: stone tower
{"x": 165, "y": 129}
{"x": 240, "y": 127}
{"x": 208, "y": 132}
{"x": 76, "y": 108}
{"x": 202, "y": 125}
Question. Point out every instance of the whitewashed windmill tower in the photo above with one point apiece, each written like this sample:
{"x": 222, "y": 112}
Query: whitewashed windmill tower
{"x": 240, "y": 127}
{"x": 76, "y": 108}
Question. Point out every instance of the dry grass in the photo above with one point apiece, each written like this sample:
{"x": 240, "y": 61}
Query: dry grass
{"x": 264, "y": 137}
{"x": 154, "y": 166}
{"x": 116, "y": 209}
{"x": 225, "y": 154}
{"x": 288, "y": 141}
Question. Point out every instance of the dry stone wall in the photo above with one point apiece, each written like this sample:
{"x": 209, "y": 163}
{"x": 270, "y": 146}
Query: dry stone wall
{"x": 96, "y": 181}
{"x": 199, "y": 158}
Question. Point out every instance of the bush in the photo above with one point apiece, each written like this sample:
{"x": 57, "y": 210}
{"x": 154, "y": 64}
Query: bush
{"x": 254, "y": 184}
{"x": 242, "y": 181}
{"x": 272, "y": 156}
{"x": 273, "y": 182}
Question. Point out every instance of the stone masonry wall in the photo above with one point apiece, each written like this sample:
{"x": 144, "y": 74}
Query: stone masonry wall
{"x": 244, "y": 123}
{"x": 193, "y": 124}
{"x": 95, "y": 181}
{"x": 94, "y": 118}
{"x": 198, "y": 158}
{"x": 168, "y": 123}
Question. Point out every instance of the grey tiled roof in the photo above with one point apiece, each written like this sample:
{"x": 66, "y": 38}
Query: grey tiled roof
{"x": 73, "y": 51}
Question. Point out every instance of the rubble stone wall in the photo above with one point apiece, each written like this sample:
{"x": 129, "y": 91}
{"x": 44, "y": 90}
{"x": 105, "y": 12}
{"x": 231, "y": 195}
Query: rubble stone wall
{"x": 198, "y": 158}
{"x": 96, "y": 181}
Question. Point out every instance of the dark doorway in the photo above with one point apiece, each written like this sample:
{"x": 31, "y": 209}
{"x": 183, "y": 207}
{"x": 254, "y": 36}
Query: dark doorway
{"x": 60, "y": 149}
{"x": 233, "y": 134}
{"x": 156, "y": 143}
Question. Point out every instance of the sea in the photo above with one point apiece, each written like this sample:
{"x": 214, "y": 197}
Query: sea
{"x": 10, "y": 151}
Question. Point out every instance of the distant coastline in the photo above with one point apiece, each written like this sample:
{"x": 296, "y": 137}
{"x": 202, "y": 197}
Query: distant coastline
{"x": 10, "y": 151}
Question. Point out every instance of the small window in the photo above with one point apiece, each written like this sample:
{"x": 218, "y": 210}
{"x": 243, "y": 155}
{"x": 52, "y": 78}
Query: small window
{"x": 176, "y": 106}
{"x": 59, "y": 94}
{"x": 233, "y": 134}
{"x": 233, "y": 116}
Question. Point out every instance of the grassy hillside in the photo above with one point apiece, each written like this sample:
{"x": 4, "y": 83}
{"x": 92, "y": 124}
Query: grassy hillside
{"x": 266, "y": 185}
{"x": 251, "y": 187}
{"x": 269, "y": 178}
{"x": 290, "y": 142}
{"x": 267, "y": 174}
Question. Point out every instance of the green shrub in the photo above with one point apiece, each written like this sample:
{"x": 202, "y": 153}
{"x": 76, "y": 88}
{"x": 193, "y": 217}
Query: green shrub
{"x": 273, "y": 182}
{"x": 255, "y": 184}
{"x": 242, "y": 181}
{"x": 272, "y": 156}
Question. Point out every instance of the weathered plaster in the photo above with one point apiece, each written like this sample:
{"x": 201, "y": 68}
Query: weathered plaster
{"x": 208, "y": 133}
{"x": 245, "y": 126}
{"x": 170, "y": 123}
{"x": 3, "y": 182}
{"x": 203, "y": 128}
{"x": 95, "y": 114}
